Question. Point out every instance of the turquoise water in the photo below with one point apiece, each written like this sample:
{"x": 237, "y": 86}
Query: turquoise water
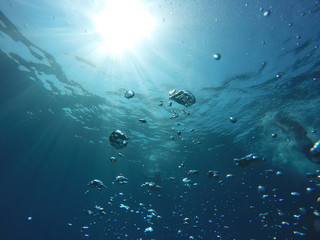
{"x": 63, "y": 94}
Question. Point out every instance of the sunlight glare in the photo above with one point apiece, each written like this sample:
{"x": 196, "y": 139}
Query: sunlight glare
{"x": 122, "y": 24}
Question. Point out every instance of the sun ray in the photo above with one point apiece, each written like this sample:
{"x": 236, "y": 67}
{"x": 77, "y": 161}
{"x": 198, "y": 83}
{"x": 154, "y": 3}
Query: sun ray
{"x": 122, "y": 24}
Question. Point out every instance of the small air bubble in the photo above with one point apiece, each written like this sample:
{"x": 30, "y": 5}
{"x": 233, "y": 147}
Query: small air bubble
{"x": 216, "y": 56}
{"x": 266, "y": 13}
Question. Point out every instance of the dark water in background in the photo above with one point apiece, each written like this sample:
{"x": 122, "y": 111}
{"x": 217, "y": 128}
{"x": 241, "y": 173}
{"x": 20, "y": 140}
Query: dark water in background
{"x": 55, "y": 130}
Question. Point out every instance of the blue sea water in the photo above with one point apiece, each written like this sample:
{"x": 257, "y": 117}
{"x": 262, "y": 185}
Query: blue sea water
{"x": 62, "y": 96}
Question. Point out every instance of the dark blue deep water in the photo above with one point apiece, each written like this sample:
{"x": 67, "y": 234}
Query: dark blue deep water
{"x": 63, "y": 85}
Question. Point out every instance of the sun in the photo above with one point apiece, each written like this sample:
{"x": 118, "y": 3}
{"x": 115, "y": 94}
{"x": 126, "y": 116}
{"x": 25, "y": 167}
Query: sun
{"x": 122, "y": 24}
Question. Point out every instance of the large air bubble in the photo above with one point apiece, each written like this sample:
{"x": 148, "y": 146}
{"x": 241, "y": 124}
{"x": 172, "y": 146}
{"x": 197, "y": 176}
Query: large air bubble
{"x": 182, "y": 97}
{"x": 118, "y": 139}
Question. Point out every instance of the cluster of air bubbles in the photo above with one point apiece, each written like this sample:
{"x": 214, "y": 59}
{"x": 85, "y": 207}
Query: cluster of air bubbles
{"x": 152, "y": 186}
{"x": 273, "y": 172}
{"x": 97, "y": 211}
{"x": 213, "y": 174}
{"x": 118, "y": 139}
{"x": 148, "y": 214}
{"x": 268, "y": 194}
